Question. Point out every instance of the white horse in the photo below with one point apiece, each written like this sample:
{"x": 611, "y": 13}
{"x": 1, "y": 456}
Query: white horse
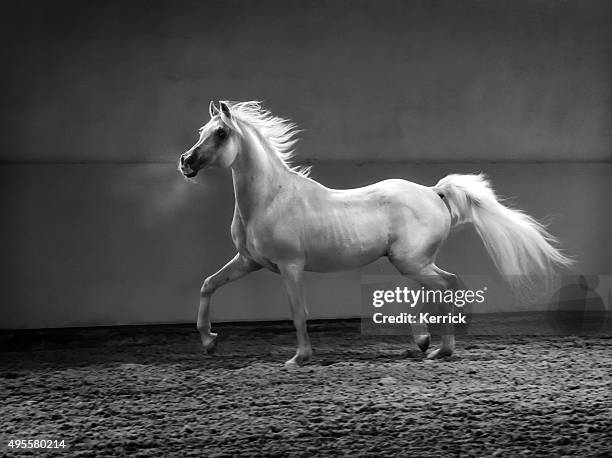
{"x": 289, "y": 223}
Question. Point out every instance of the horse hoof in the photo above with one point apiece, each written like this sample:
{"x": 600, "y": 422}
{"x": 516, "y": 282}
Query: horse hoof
{"x": 297, "y": 361}
{"x": 423, "y": 342}
{"x": 210, "y": 346}
{"x": 439, "y": 353}
{"x": 291, "y": 364}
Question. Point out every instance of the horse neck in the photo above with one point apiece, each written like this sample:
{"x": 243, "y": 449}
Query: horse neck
{"x": 258, "y": 175}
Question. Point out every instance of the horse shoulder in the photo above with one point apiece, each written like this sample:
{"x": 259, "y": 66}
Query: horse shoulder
{"x": 275, "y": 234}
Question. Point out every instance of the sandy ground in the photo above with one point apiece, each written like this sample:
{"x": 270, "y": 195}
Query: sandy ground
{"x": 152, "y": 392}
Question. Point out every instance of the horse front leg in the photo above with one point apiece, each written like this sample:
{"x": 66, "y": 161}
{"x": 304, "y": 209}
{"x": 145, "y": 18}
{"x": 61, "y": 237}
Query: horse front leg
{"x": 237, "y": 268}
{"x": 292, "y": 276}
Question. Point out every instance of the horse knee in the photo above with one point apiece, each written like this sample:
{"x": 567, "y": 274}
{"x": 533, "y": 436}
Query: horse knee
{"x": 452, "y": 280}
{"x": 440, "y": 279}
{"x": 208, "y": 287}
{"x": 299, "y": 321}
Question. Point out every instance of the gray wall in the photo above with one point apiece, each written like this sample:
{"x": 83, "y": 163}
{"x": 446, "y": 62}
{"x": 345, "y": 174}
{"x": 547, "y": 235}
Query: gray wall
{"x": 368, "y": 80}
{"x": 99, "y": 98}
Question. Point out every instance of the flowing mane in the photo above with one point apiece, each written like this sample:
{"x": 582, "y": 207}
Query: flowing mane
{"x": 280, "y": 134}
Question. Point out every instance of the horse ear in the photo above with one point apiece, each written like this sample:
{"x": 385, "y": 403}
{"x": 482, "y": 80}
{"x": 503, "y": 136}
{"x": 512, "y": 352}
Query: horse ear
{"x": 225, "y": 109}
{"x": 212, "y": 109}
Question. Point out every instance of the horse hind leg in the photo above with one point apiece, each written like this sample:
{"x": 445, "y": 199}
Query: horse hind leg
{"x": 420, "y": 332}
{"x": 434, "y": 278}
{"x": 431, "y": 277}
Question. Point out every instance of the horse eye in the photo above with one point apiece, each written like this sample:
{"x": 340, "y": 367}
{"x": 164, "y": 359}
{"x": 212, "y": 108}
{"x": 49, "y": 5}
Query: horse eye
{"x": 221, "y": 133}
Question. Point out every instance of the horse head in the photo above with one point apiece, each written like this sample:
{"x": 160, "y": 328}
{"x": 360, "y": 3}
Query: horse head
{"x": 217, "y": 145}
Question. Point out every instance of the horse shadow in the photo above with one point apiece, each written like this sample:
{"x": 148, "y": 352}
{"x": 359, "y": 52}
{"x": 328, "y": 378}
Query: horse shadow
{"x": 577, "y": 307}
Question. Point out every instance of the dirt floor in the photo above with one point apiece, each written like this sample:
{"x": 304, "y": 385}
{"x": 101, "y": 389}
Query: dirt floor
{"x": 150, "y": 391}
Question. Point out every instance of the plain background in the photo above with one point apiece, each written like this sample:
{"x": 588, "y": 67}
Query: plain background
{"x": 100, "y": 98}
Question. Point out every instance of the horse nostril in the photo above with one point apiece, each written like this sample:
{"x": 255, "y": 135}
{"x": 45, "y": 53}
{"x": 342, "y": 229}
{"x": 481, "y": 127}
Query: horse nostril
{"x": 190, "y": 160}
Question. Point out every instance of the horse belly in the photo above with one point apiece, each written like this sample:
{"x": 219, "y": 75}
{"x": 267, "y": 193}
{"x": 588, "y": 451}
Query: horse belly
{"x": 350, "y": 248}
{"x": 341, "y": 260}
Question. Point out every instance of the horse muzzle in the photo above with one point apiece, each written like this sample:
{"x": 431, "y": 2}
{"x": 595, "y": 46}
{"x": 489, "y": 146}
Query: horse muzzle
{"x": 188, "y": 166}
{"x": 189, "y": 174}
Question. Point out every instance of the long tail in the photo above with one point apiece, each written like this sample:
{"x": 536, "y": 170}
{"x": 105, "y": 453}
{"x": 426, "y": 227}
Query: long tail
{"x": 522, "y": 249}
